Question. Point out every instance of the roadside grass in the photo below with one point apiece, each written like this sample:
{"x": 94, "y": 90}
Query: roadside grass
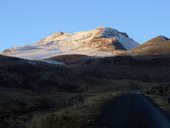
{"x": 82, "y": 115}
{"x": 161, "y": 101}
{"x": 37, "y": 110}
{"x": 160, "y": 95}
{"x": 77, "y": 116}
{"x": 17, "y": 107}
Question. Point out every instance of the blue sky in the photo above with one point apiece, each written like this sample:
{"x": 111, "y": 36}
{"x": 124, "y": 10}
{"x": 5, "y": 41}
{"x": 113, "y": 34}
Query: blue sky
{"x": 26, "y": 21}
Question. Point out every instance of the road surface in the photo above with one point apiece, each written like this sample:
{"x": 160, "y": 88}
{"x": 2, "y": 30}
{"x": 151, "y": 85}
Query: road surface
{"x": 132, "y": 111}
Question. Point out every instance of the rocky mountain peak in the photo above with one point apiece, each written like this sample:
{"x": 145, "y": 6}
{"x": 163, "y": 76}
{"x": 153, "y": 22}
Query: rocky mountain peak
{"x": 108, "y": 32}
{"x": 102, "y": 41}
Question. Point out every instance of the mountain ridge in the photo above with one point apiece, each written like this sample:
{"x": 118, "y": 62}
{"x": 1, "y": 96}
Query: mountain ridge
{"x": 98, "y": 42}
{"x": 159, "y": 45}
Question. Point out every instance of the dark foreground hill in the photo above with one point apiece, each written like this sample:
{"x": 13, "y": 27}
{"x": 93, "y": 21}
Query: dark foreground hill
{"x": 38, "y": 94}
{"x": 151, "y": 68}
{"x": 34, "y": 75}
{"x": 40, "y": 76}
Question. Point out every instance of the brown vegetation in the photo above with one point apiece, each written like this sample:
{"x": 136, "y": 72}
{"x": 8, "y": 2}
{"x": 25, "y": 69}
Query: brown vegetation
{"x": 156, "y": 46}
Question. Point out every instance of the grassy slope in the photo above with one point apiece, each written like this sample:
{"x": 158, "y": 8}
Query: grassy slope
{"x": 77, "y": 116}
{"x": 35, "y": 110}
{"x": 33, "y": 93}
{"x": 162, "y": 49}
{"x": 153, "y": 42}
{"x": 161, "y": 101}
{"x": 157, "y": 46}
{"x": 135, "y": 68}
{"x": 42, "y": 77}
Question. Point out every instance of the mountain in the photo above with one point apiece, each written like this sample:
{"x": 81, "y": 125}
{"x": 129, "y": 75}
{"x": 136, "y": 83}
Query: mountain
{"x": 35, "y": 75}
{"x": 157, "y": 46}
{"x": 97, "y": 42}
{"x": 43, "y": 77}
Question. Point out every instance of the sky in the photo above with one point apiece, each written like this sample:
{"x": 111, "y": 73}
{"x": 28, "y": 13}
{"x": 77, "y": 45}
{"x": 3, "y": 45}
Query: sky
{"x": 27, "y": 21}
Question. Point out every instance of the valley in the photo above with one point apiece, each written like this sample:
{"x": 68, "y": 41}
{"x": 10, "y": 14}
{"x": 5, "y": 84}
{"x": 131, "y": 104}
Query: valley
{"x": 66, "y": 80}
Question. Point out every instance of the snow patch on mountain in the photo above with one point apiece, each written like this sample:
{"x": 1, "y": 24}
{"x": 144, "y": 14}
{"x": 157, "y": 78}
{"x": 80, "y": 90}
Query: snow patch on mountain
{"x": 97, "y": 42}
{"x": 123, "y": 38}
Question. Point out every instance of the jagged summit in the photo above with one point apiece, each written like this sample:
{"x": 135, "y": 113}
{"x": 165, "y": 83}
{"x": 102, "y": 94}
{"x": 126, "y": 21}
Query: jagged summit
{"x": 102, "y": 41}
{"x": 110, "y": 32}
{"x": 100, "y": 32}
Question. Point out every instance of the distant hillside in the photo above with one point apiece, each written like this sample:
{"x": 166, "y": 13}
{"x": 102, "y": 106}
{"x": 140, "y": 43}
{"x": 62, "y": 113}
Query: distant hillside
{"x": 98, "y": 42}
{"x": 156, "y": 46}
{"x": 146, "y": 68}
{"x": 40, "y": 76}
{"x": 35, "y": 75}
